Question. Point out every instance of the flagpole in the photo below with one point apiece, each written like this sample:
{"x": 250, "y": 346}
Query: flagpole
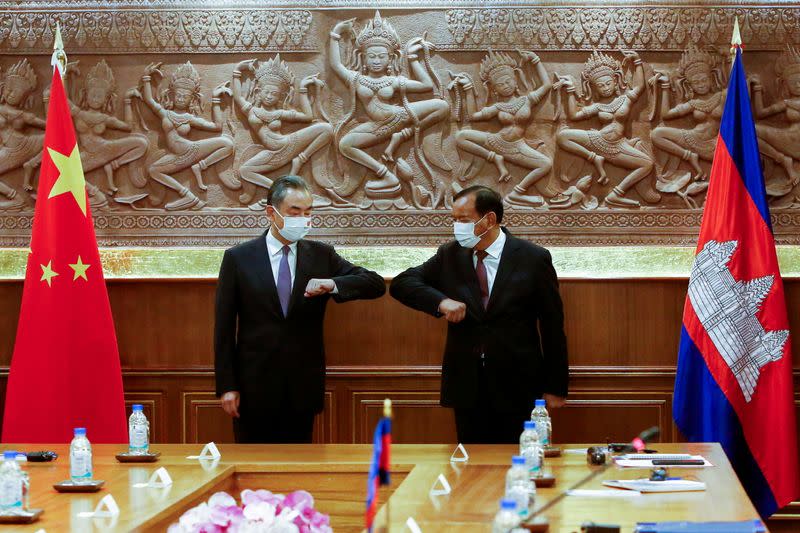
{"x": 736, "y": 41}
{"x": 59, "y": 58}
{"x": 387, "y": 413}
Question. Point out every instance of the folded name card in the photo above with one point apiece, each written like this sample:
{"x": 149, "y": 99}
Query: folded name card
{"x": 210, "y": 451}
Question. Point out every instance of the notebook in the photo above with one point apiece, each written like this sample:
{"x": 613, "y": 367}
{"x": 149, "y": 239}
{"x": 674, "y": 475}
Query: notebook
{"x": 745, "y": 526}
{"x": 645, "y": 485}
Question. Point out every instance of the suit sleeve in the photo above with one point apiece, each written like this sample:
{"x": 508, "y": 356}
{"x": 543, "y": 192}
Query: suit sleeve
{"x": 354, "y": 282}
{"x": 225, "y": 314}
{"x": 417, "y": 286}
{"x": 551, "y": 328}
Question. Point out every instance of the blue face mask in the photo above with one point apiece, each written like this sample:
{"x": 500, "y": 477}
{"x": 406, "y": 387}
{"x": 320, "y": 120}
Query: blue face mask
{"x": 465, "y": 233}
{"x": 294, "y": 228}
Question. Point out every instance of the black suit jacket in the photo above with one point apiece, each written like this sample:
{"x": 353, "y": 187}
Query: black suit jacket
{"x": 521, "y": 332}
{"x": 278, "y": 362}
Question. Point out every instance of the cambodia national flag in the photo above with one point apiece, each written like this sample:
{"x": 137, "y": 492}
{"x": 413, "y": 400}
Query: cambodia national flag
{"x": 734, "y": 379}
{"x": 379, "y": 469}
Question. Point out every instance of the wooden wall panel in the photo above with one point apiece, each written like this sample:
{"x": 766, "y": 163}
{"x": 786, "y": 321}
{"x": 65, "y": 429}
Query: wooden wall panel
{"x": 610, "y": 415}
{"x": 417, "y": 417}
{"x": 203, "y": 419}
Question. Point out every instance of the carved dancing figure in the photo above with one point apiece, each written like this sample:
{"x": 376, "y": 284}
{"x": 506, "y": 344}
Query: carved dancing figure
{"x": 267, "y": 109}
{"x": 701, "y": 81}
{"x": 609, "y": 100}
{"x": 781, "y": 144}
{"x": 514, "y": 110}
{"x": 18, "y": 147}
{"x": 178, "y": 110}
{"x": 374, "y": 80}
{"x": 93, "y": 116}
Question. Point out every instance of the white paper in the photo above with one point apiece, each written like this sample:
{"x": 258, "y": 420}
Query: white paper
{"x": 159, "y": 479}
{"x": 463, "y": 458}
{"x": 440, "y": 486}
{"x": 648, "y": 463}
{"x": 604, "y": 493}
{"x": 106, "y": 507}
{"x": 646, "y": 485}
{"x": 412, "y": 525}
{"x": 210, "y": 451}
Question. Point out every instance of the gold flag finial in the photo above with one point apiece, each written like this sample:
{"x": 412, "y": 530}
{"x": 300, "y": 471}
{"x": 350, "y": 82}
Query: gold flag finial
{"x": 59, "y": 58}
{"x": 736, "y": 38}
{"x": 387, "y": 408}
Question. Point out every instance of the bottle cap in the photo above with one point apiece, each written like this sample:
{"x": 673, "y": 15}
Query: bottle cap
{"x": 10, "y": 455}
{"x": 529, "y": 424}
{"x": 80, "y": 432}
{"x": 507, "y": 504}
{"x": 539, "y": 403}
{"x": 517, "y": 460}
{"x": 137, "y": 407}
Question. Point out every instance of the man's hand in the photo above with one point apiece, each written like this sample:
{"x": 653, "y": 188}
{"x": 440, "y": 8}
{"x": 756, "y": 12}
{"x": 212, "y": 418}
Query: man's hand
{"x": 230, "y": 403}
{"x": 318, "y": 287}
{"x": 452, "y": 310}
{"x": 553, "y": 401}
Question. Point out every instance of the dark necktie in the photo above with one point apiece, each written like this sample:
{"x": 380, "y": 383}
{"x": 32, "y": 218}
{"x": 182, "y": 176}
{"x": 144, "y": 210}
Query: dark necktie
{"x": 284, "y": 281}
{"x": 483, "y": 279}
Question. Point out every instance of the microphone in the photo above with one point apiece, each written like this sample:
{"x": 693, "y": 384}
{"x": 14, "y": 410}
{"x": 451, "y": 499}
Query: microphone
{"x": 637, "y": 444}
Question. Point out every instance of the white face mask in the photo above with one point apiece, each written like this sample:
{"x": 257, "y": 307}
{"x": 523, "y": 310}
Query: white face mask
{"x": 294, "y": 228}
{"x": 465, "y": 233}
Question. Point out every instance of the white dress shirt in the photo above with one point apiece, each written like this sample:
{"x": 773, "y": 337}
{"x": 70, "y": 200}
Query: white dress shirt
{"x": 492, "y": 259}
{"x": 275, "y": 253}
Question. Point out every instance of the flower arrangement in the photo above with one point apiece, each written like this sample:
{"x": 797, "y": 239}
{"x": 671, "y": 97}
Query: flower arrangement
{"x": 261, "y": 512}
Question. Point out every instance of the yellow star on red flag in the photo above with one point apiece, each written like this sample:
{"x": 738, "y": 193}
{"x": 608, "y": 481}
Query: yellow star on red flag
{"x": 80, "y": 269}
{"x": 48, "y": 273}
{"x": 70, "y": 178}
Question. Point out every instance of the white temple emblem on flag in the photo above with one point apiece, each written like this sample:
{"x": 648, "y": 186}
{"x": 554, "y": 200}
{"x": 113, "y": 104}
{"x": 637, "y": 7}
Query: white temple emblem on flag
{"x": 727, "y": 309}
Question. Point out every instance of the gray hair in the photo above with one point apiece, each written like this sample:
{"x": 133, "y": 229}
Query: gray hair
{"x": 281, "y": 187}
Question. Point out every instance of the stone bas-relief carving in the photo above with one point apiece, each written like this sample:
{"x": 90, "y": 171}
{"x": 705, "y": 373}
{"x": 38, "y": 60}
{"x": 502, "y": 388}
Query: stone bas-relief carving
{"x": 178, "y": 109}
{"x": 609, "y": 99}
{"x": 700, "y": 79}
{"x": 781, "y": 144}
{"x": 585, "y": 119}
{"x": 20, "y": 130}
{"x": 266, "y": 110}
{"x": 375, "y": 82}
{"x": 513, "y": 110}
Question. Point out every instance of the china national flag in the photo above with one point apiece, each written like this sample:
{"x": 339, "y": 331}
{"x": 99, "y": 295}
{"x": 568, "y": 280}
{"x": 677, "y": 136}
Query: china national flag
{"x": 65, "y": 371}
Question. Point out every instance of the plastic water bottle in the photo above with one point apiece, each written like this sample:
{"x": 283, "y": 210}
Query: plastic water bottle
{"x": 11, "y": 483}
{"x": 531, "y": 449}
{"x": 506, "y": 518}
{"x": 518, "y": 483}
{"x": 544, "y": 425}
{"x": 138, "y": 432}
{"x": 80, "y": 458}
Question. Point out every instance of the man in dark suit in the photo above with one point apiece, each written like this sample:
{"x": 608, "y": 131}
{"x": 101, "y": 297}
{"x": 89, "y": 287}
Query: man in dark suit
{"x": 505, "y": 336}
{"x": 270, "y": 305}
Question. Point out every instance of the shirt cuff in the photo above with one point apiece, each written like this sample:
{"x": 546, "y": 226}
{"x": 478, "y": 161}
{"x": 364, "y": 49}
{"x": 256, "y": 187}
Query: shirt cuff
{"x": 335, "y": 289}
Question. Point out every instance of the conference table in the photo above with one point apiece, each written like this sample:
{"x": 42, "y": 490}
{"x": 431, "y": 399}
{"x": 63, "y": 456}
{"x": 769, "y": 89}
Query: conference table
{"x": 336, "y": 475}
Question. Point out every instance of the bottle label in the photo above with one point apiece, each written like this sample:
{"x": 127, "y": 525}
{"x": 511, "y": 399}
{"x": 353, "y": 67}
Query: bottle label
{"x": 138, "y": 436}
{"x": 80, "y": 465}
{"x": 11, "y": 492}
